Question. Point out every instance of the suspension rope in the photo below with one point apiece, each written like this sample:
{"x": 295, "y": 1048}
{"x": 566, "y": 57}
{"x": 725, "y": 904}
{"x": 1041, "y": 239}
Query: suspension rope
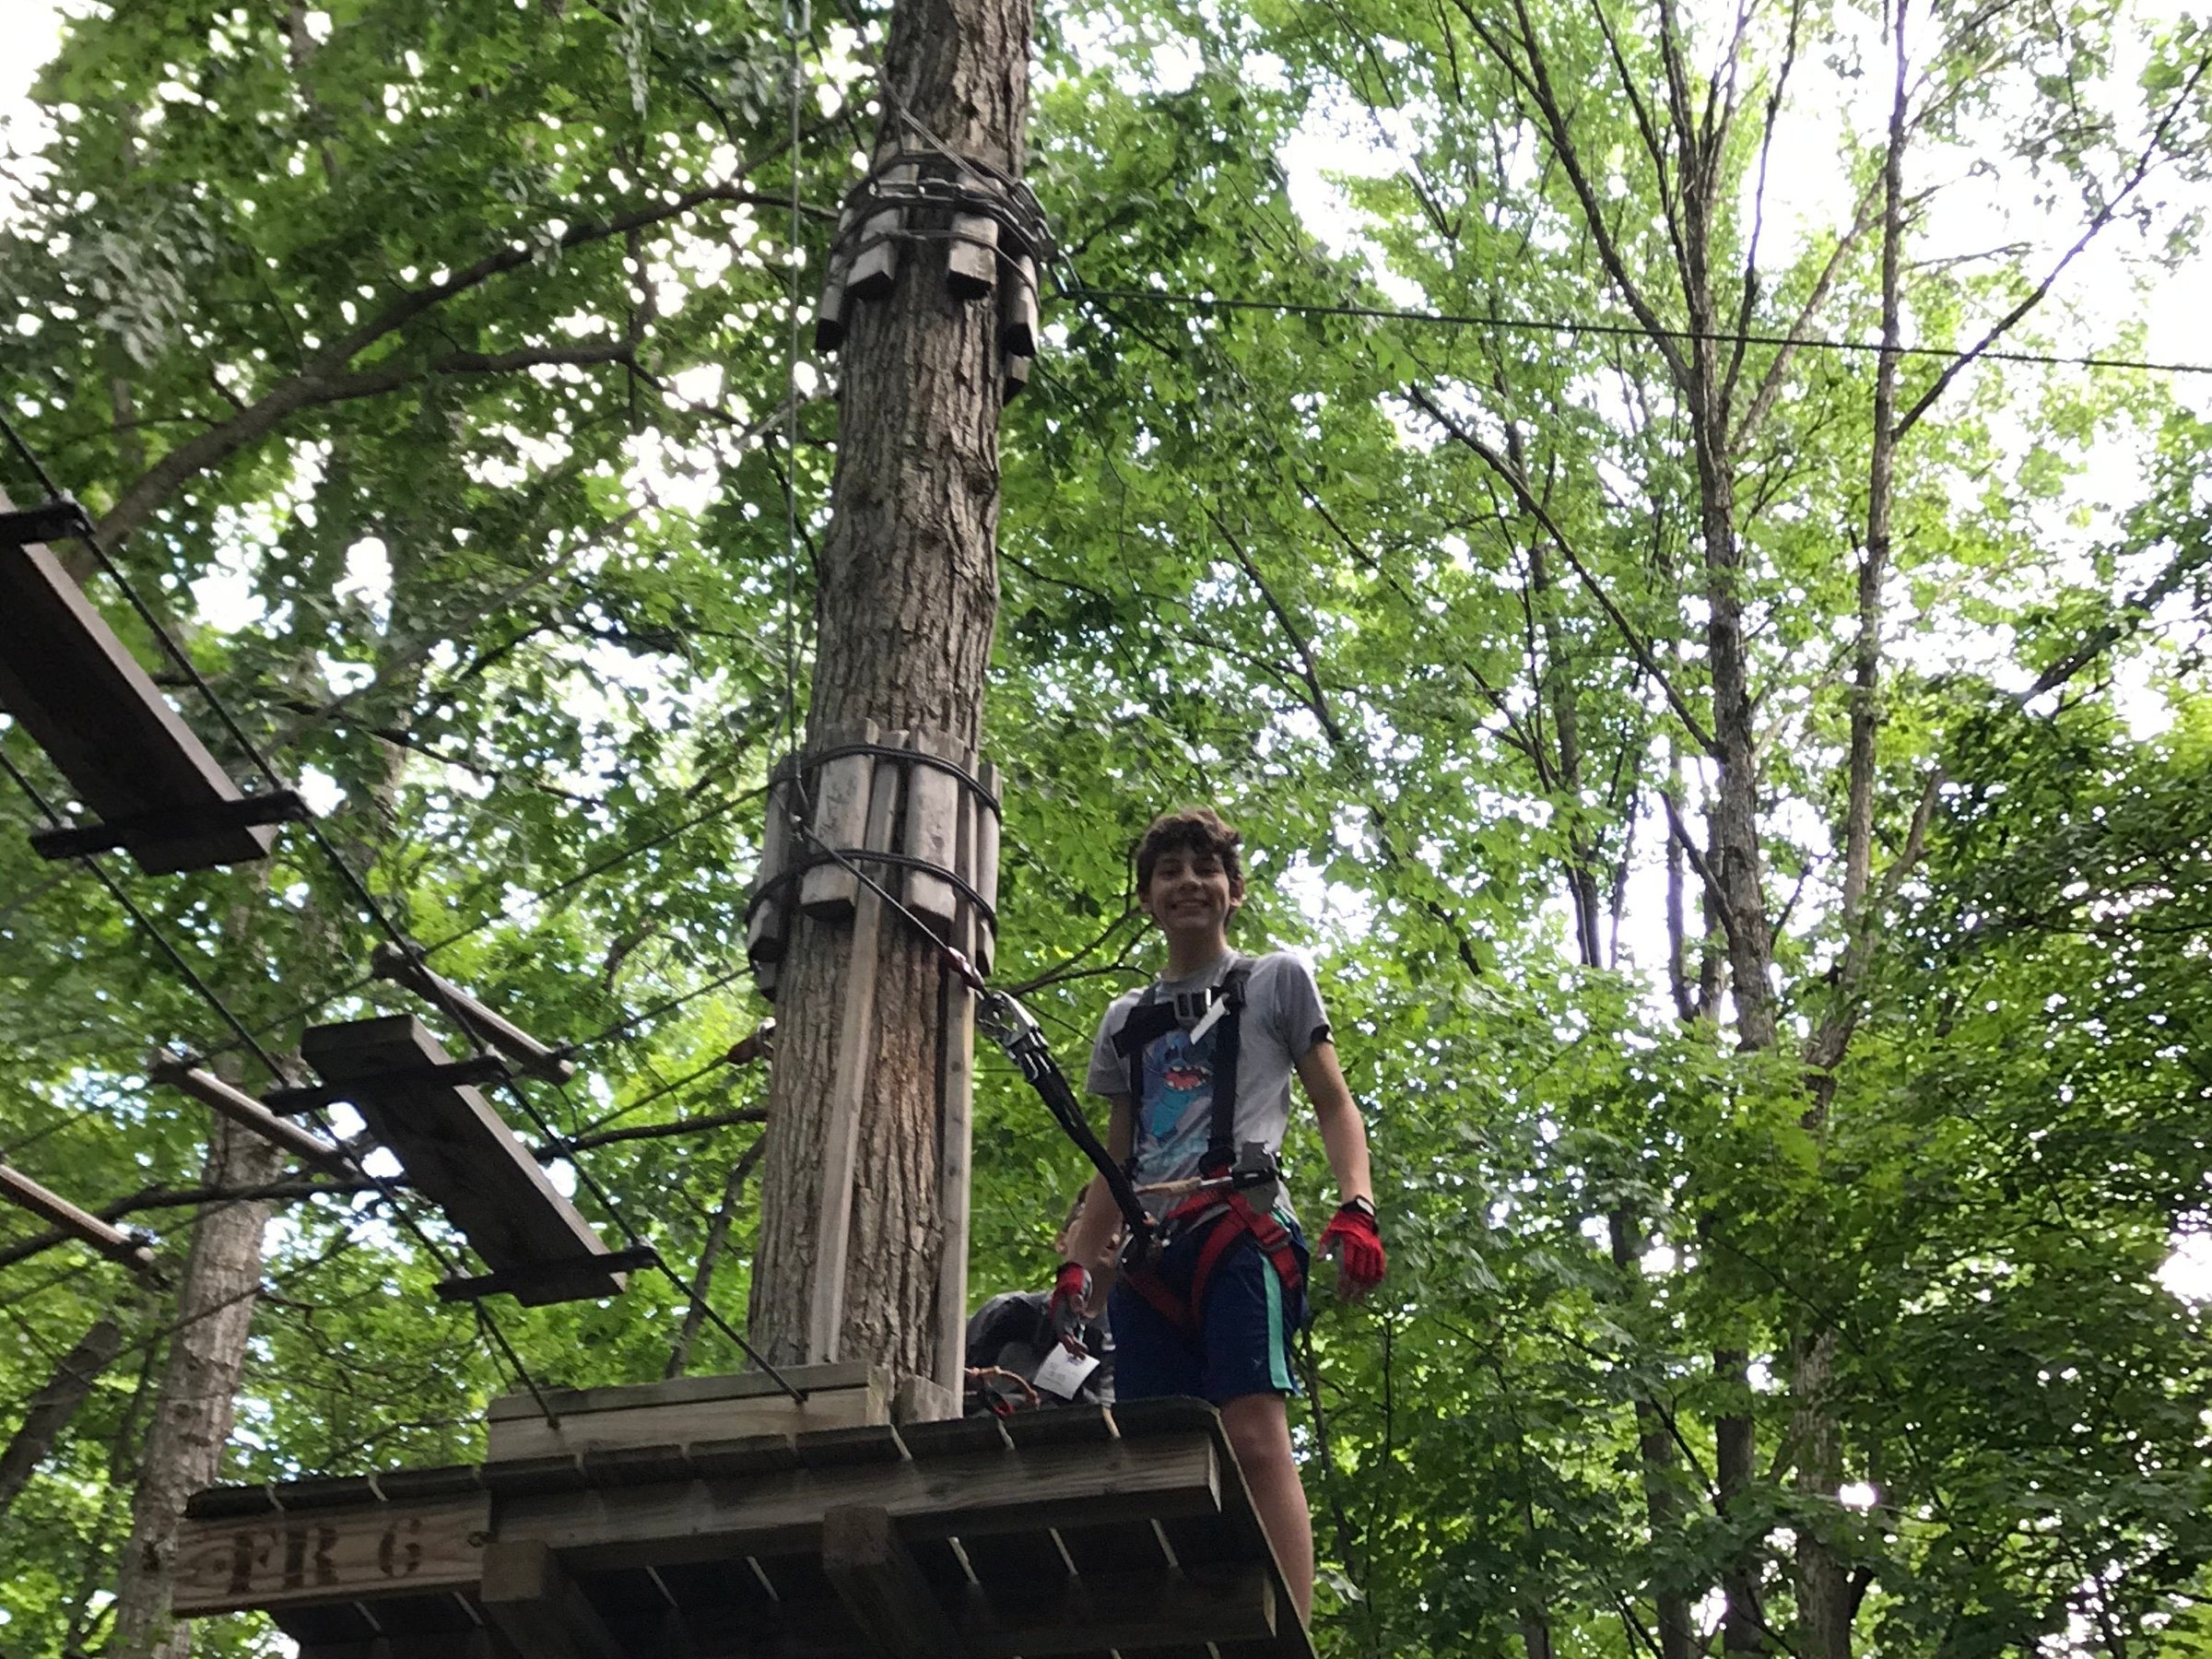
{"x": 1084, "y": 294}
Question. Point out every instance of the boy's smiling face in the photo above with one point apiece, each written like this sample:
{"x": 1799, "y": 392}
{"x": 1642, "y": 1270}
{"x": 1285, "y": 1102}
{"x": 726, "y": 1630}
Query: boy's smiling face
{"x": 1190, "y": 896}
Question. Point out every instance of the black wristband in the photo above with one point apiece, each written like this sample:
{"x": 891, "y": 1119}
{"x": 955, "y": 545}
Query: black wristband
{"x": 1366, "y": 1207}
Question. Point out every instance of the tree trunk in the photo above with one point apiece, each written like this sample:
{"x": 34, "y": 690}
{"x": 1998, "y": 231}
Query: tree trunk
{"x": 909, "y": 591}
{"x": 199, "y": 1386}
{"x": 1662, "y": 1500}
{"x": 1824, "y": 1593}
{"x": 1735, "y": 1446}
{"x": 56, "y": 1405}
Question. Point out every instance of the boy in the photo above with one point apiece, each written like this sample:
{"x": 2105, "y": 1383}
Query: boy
{"x": 1213, "y": 1313}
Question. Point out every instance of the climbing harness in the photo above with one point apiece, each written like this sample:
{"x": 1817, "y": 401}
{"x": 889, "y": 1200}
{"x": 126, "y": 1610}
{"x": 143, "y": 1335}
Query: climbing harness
{"x": 1234, "y": 1192}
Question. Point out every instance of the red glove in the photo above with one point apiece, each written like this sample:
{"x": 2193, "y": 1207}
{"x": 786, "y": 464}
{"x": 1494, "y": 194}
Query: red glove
{"x": 1070, "y": 1305}
{"x": 1353, "y": 1238}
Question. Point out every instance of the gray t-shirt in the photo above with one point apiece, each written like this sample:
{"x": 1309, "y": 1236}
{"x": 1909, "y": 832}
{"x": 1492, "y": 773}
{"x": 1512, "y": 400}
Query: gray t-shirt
{"x": 1282, "y": 1020}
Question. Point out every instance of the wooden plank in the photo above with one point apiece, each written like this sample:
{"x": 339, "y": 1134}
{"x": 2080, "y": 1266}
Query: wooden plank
{"x": 876, "y": 1577}
{"x": 839, "y": 820}
{"x": 970, "y": 1495}
{"x": 242, "y": 1109}
{"x": 330, "y": 1555}
{"x": 932, "y": 832}
{"x": 534, "y": 1604}
{"x": 856, "y": 1039}
{"x": 971, "y": 257}
{"x": 85, "y": 699}
{"x": 693, "y": 1422}
{"x": 20, "y": 1190}
{"x": 1013, "y": 375}
{"x": 494, "y": 1030}
{"x": 683, "y": 1391}
{"x": 768, "y": 936}
{"x": 572, "y": 1279}
{"x": 458, "y": 1151}
{"x": 478, "y": 1643}
{"x": 956, "y": 1116}
{"x": 1122, "y": 1611}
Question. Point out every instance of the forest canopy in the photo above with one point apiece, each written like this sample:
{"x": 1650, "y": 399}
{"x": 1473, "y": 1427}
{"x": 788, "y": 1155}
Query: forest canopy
{"x": 1667, "y": 527}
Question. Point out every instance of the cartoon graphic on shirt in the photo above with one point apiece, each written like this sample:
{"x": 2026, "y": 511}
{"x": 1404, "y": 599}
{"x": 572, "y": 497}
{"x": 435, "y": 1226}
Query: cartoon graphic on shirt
{"x": 1178, "y": 1105}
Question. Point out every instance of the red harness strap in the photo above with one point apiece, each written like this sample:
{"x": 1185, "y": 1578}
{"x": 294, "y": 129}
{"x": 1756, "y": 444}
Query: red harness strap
{"x": 1234, "y": 1217}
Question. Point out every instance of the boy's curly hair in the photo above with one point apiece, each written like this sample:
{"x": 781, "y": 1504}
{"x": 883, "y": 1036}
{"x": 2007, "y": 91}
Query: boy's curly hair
{"x": 1191, "y": 830}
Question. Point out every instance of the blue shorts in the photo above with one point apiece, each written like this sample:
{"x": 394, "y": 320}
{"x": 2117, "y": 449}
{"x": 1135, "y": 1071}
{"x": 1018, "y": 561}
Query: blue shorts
{"x": 1243, "y": 1345}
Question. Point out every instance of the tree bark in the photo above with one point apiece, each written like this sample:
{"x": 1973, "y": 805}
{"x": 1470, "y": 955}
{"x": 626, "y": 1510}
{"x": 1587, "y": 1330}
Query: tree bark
{"x": 1734, "y": 1447}
{"x": 199, "y": 1386}
{"x": 56, "y": 1404}
{"x": 1662, "y": 1499}
{"x": 909, "y": 592}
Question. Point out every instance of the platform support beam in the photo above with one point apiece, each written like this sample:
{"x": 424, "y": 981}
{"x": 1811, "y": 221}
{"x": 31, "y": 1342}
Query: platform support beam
{"x": 533, "y": 1602}
{"x": 882, "y": 1586}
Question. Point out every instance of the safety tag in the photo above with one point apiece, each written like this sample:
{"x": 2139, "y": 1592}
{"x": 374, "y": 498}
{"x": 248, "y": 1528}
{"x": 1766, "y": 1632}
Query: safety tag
{"x": 1061, "y": 1373}
{"x": 1206, "y": 1023}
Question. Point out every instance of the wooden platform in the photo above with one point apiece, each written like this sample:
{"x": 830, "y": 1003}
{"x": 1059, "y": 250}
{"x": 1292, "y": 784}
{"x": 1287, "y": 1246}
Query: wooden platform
{"x": 461, "y": 1155}
{"x": 1082, "y": 1532}
{"x": 85, "y": 699}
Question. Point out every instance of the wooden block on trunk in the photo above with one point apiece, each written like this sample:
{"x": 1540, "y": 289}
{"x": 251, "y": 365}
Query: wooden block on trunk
{"x": 768, "y": 936}
{"x": 829, "y": 313}
{"x": 688, "y": 1410}
{"x": 875, "y": 264}
{"x": 1014, "y": 375}
{"x": 458, "y": 1152}
{"x": 1017, "y": 310}
{"x": 849, "y": 1077}
{"x": 839, "y": 820}
{"x": 971, "y": 257}
{"x": 72, "y": 683}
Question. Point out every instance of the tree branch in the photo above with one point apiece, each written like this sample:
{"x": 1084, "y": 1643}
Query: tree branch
{"x": 2110, "y": 632}
{"x": 2103, "y": 217}
{"x": 1638, "y": 646}
{"x": 324, "y": 381}
{"x": 1316, "y": 698}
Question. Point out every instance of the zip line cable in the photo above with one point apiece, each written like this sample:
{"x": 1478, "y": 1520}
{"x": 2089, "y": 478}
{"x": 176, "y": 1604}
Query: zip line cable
{"x": 1083, "y": 293}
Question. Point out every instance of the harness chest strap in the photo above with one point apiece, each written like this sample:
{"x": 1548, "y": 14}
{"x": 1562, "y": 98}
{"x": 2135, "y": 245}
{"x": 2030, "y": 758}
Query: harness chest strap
{"x": 1232, "y": 1213}
{"x": 1155, "y": 1015}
